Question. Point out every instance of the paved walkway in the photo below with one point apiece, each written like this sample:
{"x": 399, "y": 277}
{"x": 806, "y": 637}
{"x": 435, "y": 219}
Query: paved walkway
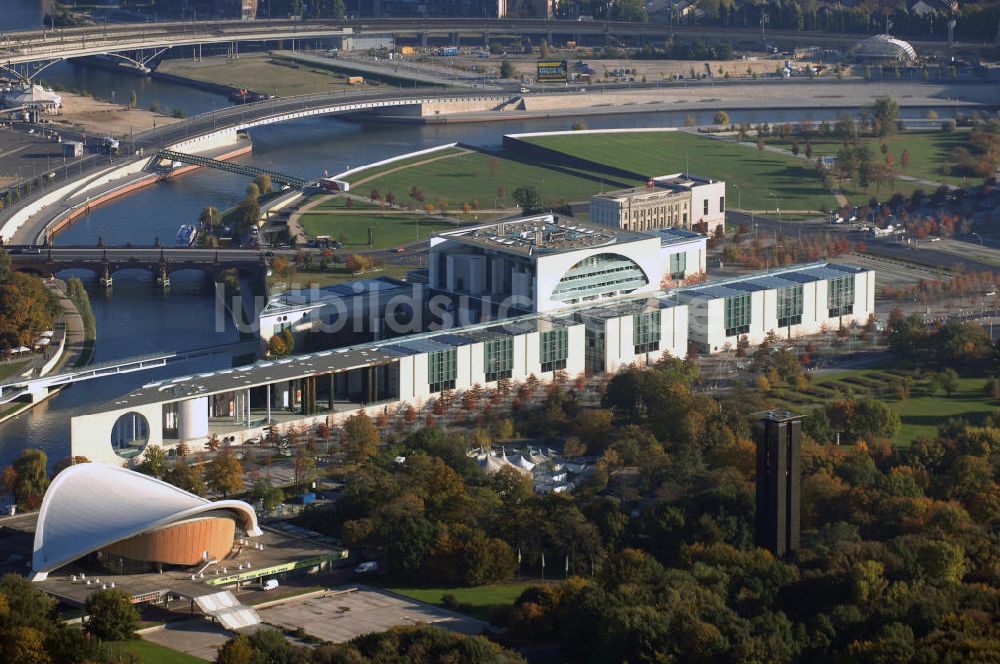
{"x": 75, "y": 337}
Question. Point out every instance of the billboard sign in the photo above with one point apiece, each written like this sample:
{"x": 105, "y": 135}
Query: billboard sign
{"x": 552, "y": 71}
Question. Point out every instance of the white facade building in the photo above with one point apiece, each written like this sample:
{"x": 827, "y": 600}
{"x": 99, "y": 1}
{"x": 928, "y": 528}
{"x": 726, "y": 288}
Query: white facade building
{"x": 546, "y": 262}
{"x": 680, "y": 200}
{"x": 795, "y": 302}
{"x": 600, "y": 335}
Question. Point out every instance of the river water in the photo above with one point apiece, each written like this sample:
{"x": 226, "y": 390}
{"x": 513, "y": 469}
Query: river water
{"x": 134, "y": 318}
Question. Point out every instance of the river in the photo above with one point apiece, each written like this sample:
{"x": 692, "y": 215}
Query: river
{"x": 134, "y": 318}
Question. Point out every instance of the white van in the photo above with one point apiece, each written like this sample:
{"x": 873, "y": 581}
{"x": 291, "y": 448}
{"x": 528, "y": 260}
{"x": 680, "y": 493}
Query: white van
{"x": 366, "y": 568}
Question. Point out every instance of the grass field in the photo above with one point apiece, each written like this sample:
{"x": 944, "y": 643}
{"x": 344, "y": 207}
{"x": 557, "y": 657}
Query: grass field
{"x": 929, "y": 151}
{"x": 153, "y": 653}
{"x": 359, "y": 178}
{"x": 477, "y": 176}
{"x": 11, "y": 369}
{"x": 482, "y": 599}
{"x": 340, "y": 203}
{"x": 794, "y": 181}
{"x": 391, "y": 229}
{"x": 259, "y": 71}
{"x": 921, "y": 414}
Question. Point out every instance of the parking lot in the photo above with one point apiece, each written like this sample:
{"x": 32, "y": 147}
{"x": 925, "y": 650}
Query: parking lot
{"x": 342, "y": 614}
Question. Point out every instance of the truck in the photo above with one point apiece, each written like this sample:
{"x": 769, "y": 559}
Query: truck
{"x": 451, "y": 50}
{"x": 355, "y": 80}
{"x": 72, "y": 148}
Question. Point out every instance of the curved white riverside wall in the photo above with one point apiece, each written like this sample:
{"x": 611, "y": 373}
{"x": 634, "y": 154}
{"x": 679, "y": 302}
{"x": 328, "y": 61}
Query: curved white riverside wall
{"x": 578, "y": 132}
{"x": 401, "y": 157}
{"x": 79, "y": 187}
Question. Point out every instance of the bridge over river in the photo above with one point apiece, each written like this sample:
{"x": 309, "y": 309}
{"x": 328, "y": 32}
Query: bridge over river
{"x": 159, "y": 261}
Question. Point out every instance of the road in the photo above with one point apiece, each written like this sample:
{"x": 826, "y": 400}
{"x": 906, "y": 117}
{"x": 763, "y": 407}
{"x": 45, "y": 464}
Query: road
{"x": 40, "y": 45}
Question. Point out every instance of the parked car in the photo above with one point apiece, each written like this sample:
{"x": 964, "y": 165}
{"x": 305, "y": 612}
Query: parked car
{"x": 366, "y": 568}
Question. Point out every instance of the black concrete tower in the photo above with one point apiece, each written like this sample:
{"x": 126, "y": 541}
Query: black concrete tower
{"x": 778, "y": 436}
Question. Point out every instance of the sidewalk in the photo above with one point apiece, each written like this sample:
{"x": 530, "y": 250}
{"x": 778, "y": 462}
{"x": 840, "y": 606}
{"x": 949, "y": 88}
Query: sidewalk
{"x": 75, "y": 337}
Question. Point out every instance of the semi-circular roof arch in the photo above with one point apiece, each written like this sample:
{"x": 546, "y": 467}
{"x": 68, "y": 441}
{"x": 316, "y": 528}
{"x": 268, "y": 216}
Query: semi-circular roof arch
{"x": 91, "y": 505}
{"x": 600, "y": 274}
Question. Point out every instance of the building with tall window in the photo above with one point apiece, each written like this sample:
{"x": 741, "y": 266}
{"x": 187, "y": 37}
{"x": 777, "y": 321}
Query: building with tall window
{"x": 546, "y": 262}
{"x": 680, "y": 200}
{"x": 602, "y": 335}
{"x": 794, "y": 302}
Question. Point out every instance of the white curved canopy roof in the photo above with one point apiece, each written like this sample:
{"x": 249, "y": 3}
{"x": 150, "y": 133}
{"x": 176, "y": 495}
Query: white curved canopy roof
{"x": 91, "y": 505}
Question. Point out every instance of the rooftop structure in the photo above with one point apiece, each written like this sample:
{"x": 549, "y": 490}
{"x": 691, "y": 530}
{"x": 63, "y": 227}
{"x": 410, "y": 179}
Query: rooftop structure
{"x": 132, "y": 518}
{"x": 884, "y": 48}
{"x": 679, "y": 200}
{"x": 546, "y": 262}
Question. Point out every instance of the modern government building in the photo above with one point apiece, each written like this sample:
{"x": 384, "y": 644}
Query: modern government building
{"x": 531, "y": 296}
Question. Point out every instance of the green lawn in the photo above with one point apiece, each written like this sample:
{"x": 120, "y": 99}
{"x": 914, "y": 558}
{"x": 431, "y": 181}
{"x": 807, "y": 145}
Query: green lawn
{"x": 366, "y": 173}
{"x": 392, "y": 229}
{"x": 152, "y": 653}
{"x": 794, "y": 181}
{"x": 340, "y": 203}
{"x": 929, "y": 151}
{"x": 490, "y": 180}
{"x": 11, "y": 369}
{"x": 482, "y": 599}
{"x": 921, "y": 414}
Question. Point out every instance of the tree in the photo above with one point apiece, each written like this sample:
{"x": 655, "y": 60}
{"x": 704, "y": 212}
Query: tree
{"x": 905, "y": 336}
{"x": 133, "y": 100}
{"x": 528, "y": 199}
{"x": 25, "y": 310}
{"x": 305, "y": 468}
{"x": 112, "y": 616}
{"x": 264, "y": 184}
{"x": 721, "y": 118}
{"x": 6, "y": 266}
{"x": 874, "y": 418}
{"x": 225, "y": 473}
{"x": 267, "y": 494}
{"x": 210, "y": 217}
{"x": 361, "y": 437}
{"x": 154, "y": 462}
{"x": 186, "y": 477}
{"x": 27, "y": 479}
{"x": 961, "y": 342}
{"x": 507, "y": 69}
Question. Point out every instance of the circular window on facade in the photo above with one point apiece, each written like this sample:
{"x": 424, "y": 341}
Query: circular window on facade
{"x": 130, "y": 435}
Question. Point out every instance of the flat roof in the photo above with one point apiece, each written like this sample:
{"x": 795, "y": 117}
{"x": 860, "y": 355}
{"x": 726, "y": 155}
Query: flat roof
{"x": 676, "y": 183}
{"x": 310, "y": 298}
{"x": 388, "y": 350}
{"x": 541, "y": 234}
{"x": 670, "y": 236}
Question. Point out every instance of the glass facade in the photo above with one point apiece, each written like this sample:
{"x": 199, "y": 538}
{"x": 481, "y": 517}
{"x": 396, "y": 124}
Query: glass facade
{"x": 498, "y": 358}
{"x": 442, "y": 369}
{"x": 554, "y": 349}
{"x": 599, "y": 276}
{"x": 170, "y": 419}
{"x": 678, "y": 265}
{"x": 790, "y": 306}
{"x": 129, "y": 435}
{"x": 840, "y": 296}
{"x": 646, "y": 332}
{"x": 737, "y": 315}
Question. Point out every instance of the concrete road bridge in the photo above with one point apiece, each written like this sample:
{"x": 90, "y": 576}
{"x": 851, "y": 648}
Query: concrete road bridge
{"x": 35, "y": 46}
{"x": 161, "y": 262}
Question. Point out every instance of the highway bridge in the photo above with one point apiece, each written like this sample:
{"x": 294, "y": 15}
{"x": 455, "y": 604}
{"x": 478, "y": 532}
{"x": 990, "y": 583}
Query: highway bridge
{"x": 160, "y": 261}
{"x": 35, "y": 46}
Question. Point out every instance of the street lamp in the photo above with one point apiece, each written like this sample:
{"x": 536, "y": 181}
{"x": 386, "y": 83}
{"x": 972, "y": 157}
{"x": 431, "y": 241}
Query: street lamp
{"x": 777, "y": 204}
